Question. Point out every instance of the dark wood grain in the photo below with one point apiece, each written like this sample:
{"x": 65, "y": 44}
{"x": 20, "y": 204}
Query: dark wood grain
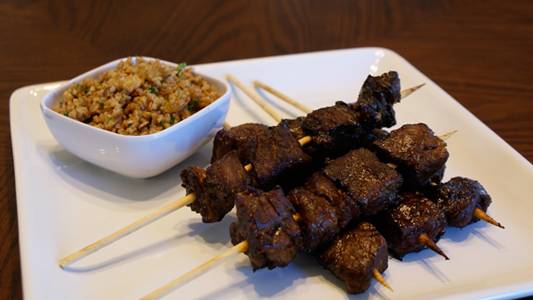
{"x": 481, "y": 52}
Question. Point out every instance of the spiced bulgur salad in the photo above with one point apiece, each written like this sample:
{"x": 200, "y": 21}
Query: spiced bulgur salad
{"x": 138, "y": 97}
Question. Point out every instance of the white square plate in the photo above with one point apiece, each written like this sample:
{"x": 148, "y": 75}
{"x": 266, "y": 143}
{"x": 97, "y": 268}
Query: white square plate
{"x": 65, "y": 203}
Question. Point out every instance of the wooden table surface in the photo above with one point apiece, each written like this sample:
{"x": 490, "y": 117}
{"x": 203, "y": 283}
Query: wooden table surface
{"x": 481, "y": 52}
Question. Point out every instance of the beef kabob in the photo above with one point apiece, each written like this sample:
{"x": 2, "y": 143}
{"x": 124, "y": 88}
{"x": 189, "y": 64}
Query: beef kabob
{"x": 272, "y": 228}
{"x": 268, "y": 166}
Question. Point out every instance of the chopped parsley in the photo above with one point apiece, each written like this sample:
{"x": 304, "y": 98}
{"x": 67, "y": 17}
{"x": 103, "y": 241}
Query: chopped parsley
{"x": 172, "y": 119}
{"x": 152, "y": 89}
{"x": 193, "y": 105}
{"x": 65, "y": 114}
{"x": 180, "y": 68}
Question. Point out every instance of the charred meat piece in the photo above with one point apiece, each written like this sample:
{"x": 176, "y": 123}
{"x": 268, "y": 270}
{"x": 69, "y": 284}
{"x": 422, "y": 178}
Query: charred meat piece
{"x": 403, "y": 225}
{"x": 264, "y": 219}
{"x": 334, "y": 129}
{"x": 372, "y": 184}
{"x": 420, "y": 155}
{"x": 354, "y": 255}
{"x": 346, "y": 208}
{"x": 317, "y": 218}
{"x": 241, "y": 138}
{"x": 295, "y": 127}
{"x": 459, "y": 197}
{"x": 216, "y": 187}
{"x": 278, "y": 157}
{"x": 374, "y": 106}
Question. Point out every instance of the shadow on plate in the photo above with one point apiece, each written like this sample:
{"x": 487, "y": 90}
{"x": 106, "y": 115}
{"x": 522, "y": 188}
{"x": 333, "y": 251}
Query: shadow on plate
{"x": 276, "y": 104}
{"x": 245, "y": 105}
{"x": 101, "y": 183}
{"x": 459, "y": 235}
{"x": 266, "y": 283}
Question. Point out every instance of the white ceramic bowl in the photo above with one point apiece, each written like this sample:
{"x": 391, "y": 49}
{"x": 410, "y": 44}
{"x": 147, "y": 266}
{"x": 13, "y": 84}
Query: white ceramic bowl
{"x": 135, "y": 156}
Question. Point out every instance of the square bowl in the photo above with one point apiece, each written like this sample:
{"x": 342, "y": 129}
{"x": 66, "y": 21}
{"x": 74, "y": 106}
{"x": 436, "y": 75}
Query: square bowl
{"x": 140, "y": 156}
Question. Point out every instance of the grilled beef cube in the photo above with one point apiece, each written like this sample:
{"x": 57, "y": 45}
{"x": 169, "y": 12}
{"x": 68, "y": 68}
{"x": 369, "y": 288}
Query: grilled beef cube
{"x": 346, "y": 208}
{"x": 216, "y": 187}
{"x": 420, "y": 155}
{"x": 374, "y": 106}
{"x": 334, "y": 130}
{"x": 278, "y": 157}
{"x": 459, "y": 197}
{"x": 264, "y": 219}
{"x": 241, "y": 138}
{"x": 274, "y": 152}
{"x": 372, "y": 184}
{"x": 295, "y": 127}
{"x": 354, "y": 255}
{"x": 403, "y": 225}
{"x": 317, "y": 218}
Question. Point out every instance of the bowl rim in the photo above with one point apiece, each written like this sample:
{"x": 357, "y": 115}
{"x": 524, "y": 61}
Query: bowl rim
{"x": 47, "y": 110}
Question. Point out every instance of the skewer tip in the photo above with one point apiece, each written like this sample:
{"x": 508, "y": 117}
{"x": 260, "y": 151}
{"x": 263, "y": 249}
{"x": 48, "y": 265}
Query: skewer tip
{"x": 379, "y": 278}
{"x": 448, "y": 135}
{"x": 426, "y": 241}
{"x": 480, "y": 214}
{"x": 409, "y": 91}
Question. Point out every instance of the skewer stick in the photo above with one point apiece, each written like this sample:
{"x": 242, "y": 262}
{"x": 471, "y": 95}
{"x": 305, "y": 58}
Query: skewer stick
{"x": 165, "y": 289}
{"x": 411, "y": 90}
{"x": 297, "y": 104}
{"x": 257, "y": 99}
{"x": 282, "y": 96}
{"x": 163, "y": 211}
{"x": 447, "y": 135}
{"x": 379, "y": 278}
{"x": 480, "y": 214}
{"x": 426, "y": 241}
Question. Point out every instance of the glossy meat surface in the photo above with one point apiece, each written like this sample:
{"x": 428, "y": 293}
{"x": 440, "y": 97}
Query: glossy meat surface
{"x": 420, "y": 155}
{"x": 371, "y": 183}
{"x": 459, "y": 197}
{"x": 317, "y": 218}
{"x": 264, "y": 219}
{"x": 334, "y": 129}
{"x": 354, "y": 254}
{"x": 346, "y": 208}
{"x": 403, "y": 225}
{"x": 374, "y": 106}
{"x": 216, "y": 187}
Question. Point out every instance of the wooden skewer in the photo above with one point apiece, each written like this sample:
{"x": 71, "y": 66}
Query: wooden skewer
{"x": 480, "y": 214}
{"x": 426, "y": 241}
{"x": 409, "y": 91}
{"x": 448, "y": 135}
{"x": 379, "y": 278}
{"x": 257, "y": 99}
{"x": 169, "y": 286}
{"x": 165, "y": 210}
{"x": 282, "y": 96}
